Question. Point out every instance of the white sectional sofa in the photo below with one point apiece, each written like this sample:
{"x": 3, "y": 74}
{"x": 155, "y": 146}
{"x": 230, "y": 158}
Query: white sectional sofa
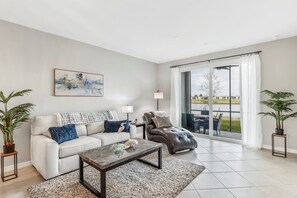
{"x": 52, "y": 159}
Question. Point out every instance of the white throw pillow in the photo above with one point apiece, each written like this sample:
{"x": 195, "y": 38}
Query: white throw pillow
{"x": 40, "y": 124}
{"x": 160, "y": 113}
{"x": 81, "y": 130}
{"x": 96, "y": 127}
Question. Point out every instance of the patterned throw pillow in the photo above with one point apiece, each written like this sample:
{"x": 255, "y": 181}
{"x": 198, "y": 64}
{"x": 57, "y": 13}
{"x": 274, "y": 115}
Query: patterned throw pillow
{"x": 116, "y": 126}
{"x": 162, "y": 121}
{"x": 64, "y": 133}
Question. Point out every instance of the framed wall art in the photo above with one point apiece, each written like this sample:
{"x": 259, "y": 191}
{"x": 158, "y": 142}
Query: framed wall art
{"x": 76, "y": 83}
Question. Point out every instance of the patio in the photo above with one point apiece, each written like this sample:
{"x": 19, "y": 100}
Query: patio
{"x": 225, "y": 134}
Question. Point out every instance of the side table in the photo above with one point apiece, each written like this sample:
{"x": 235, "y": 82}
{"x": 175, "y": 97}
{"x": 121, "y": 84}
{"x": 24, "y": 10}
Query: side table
{"x": 142, "y": 124}
{"x": 15, "y": 172}
{"x": 279, "y": 154}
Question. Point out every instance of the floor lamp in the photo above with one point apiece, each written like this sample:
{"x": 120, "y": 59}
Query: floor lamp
{"x": 158, "y": 95}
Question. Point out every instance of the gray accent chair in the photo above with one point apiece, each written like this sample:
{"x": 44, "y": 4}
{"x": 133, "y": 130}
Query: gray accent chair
{"x": 175, "y": 138}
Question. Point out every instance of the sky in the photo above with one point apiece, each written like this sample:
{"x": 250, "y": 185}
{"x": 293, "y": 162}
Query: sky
{"x": 198, "y": 78}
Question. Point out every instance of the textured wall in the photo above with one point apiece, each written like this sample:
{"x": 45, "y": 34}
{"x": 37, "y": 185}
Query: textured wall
{"x": 27, "y": 59}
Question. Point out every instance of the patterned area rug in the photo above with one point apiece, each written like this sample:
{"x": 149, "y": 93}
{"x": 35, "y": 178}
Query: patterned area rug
{"x": 134, "y": 179}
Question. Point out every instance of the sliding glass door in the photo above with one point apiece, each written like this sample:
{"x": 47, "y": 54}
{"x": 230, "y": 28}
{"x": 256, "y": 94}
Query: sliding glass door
{"x": 210, "y": 99}
{"x": 226, "y": 102}
{"x": 195, "y": 99}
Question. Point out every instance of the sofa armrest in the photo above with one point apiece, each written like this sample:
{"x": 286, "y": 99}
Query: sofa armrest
{"x": 45, "y": 155}
{"x": 133, "y": 131}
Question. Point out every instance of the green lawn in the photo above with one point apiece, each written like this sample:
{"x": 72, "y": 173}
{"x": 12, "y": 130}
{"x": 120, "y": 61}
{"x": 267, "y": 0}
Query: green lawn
{"x": 225, "y": 125}
{"x": 216, "y": 101}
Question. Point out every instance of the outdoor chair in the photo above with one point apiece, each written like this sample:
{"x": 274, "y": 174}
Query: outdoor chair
{"x": 204, "y": 112}
{"x": 190, "y": 122}
{"x": 216, "y": 124}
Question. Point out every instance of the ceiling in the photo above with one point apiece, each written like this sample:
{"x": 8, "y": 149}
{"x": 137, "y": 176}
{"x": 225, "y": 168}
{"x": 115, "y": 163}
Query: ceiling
{"x": 158, "y": 30}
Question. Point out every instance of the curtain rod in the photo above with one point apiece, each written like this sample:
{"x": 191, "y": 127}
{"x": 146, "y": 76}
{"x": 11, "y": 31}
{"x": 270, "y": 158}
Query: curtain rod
{"x": 213, "y": 59}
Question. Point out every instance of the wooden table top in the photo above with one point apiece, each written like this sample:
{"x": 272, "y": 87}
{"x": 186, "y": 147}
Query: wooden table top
{"x": 8, "y": 154}
{"x": 277, "y": 135}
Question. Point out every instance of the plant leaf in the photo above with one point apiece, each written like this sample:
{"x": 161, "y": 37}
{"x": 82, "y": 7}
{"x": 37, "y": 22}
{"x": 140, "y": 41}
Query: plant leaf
{"x": 268, "y": 114}
{"x": 292, "y": 115}
{"x": 2, "y": 97}
{"x": 18, "y": 93}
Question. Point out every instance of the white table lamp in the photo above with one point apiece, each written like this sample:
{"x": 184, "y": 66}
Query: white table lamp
{"x": 127, "y": 109}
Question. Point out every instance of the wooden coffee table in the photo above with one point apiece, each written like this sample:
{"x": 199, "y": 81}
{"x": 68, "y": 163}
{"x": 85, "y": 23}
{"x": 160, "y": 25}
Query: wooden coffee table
{"x": 104, "y": 159}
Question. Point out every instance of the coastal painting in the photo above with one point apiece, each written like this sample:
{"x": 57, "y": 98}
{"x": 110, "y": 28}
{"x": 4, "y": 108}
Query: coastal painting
{"x": 76, "y": 83}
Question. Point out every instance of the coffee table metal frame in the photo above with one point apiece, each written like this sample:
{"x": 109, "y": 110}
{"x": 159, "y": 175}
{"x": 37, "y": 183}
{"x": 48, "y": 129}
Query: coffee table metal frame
{"x": 102, "y": 193}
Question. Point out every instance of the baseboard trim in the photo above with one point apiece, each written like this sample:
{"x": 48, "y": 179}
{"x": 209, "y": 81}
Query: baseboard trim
{"x": 20, "y": 165}
{"x": 279, "y": 149}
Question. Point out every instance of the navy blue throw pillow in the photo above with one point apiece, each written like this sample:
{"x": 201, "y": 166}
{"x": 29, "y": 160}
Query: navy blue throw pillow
{"x": 64, "y": 133}
{"x": 116, "y": 126}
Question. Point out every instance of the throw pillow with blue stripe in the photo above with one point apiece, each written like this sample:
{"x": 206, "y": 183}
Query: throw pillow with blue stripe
{"x": 64, "y": 133}
{"x": 116, "y": 126}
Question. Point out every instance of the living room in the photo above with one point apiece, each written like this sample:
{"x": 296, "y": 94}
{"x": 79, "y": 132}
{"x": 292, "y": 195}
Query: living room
{"x": 136, "y": 48}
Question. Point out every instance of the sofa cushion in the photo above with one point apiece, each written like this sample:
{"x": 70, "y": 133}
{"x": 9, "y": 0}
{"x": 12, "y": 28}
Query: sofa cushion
{"x": 111, "y": 138}
{"x": 40, "y": 124}
{"x": 63, "y": 133}
{"x": 95, "y": 127}
{"x": 78, "y": 145}
{"x": 81, "y": 130}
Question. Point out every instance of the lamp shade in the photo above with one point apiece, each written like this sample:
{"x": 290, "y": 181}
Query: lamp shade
{"x": 127, "y": 109}
{"x": 158, "y": 95}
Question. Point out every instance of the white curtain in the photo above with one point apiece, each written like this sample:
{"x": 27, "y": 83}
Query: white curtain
{"x": 175, "y": 97}
{"x": 250, "y": 73}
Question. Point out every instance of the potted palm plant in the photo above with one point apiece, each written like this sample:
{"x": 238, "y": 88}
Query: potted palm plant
{"x": 12, "y": 118}
{"x": 280, "y": 106}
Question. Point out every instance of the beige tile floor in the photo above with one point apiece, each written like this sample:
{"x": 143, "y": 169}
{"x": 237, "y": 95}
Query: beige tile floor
{"x": 233, "y": 171}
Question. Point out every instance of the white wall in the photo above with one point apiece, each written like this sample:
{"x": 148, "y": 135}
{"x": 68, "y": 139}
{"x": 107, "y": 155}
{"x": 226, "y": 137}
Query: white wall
{"x": 27, "y": 59}
{"x": 279, "y": 73}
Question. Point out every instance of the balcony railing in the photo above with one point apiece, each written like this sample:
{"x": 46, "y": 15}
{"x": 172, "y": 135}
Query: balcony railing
{"x": 228, "y": 123}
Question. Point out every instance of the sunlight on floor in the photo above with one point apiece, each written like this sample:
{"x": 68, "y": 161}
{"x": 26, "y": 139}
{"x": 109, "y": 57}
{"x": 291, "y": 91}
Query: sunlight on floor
{"x": 235, "y": 171}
